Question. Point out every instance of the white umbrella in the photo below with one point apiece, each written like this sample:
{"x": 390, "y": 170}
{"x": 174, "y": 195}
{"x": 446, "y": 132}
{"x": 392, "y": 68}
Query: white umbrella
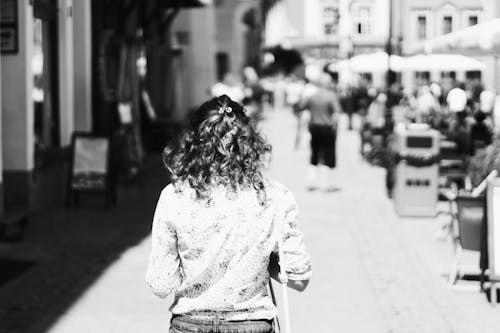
{"x": 483, "y": 38}
{"x": 442, "y": 62}
{"x": 372, "y": 62}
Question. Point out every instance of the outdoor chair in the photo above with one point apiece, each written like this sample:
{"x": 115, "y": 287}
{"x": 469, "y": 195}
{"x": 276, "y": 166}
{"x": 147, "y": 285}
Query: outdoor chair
{"x": 467, "y": 234}
{"x": 451, "y": 164}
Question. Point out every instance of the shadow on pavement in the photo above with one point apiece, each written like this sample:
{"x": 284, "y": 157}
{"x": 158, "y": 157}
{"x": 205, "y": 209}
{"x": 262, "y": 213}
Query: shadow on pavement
{"x": 65, "y": 250}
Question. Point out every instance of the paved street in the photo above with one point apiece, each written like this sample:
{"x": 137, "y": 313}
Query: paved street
{"x": 372, "y": 271}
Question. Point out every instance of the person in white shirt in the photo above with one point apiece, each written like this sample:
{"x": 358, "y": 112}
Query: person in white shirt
{"x": 457, "y": 100}
{"x": 459, "y": 130}
{"x": 427, "y": 105}
{"x": 219, "y": 222}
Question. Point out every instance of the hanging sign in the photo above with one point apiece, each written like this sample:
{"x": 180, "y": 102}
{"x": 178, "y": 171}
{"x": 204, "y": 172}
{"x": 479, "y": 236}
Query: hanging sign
{"x": 8, "y": 26}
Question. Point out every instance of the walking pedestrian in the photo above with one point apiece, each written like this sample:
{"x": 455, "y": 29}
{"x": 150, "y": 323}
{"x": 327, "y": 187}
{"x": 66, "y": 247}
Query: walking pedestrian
{"x": 481, "y": 131}
{"x": 324, "y": 108}
{"x": 218, "y": 223}
{"x": 459, "y": 130}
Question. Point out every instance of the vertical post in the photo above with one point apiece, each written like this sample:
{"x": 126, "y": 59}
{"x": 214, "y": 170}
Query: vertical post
{"x": 66, "y": 83}
{"x": 495, "y": 71}
{"x": 496, "y": 112}
{"x": 388, "y": 112}
{"x": 1, "y": 153}
{"x": 389, "y": 47}
{"x": 82, "y": 35}
{"x": 18, "y": 138}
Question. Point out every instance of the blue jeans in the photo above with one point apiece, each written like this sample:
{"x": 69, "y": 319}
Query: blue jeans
{"x": 182, "y": 324}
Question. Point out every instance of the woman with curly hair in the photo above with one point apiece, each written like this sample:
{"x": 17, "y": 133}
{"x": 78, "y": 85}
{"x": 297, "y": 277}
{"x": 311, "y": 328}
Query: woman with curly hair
{"x": 217, "y": 226}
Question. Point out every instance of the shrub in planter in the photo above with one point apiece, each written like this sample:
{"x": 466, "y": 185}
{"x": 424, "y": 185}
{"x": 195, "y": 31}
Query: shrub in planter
{"x": 484, "y": 161}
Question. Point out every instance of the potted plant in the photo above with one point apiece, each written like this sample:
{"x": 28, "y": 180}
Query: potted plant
{"x": 484, "y": 161}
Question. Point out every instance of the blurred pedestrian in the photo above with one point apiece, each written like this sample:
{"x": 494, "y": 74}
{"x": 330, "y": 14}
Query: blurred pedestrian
{"x": 427, "y": 105}
{"x": 481, "y": 132}
{"x": 459, "y": 129}
{"x": 230, "y": 86}
{"x": 254, "y": 92}
{"x": 293, "y": 92}
{"x": 324, "y": 108}
{"x": 218, "y": 223}
{"x": 376, "y": 111}
{"x": 348, "y": 105}
{"x": 362, "y": 98}
{"x": 376, "y": 125}
{"x": 293, "y": 95}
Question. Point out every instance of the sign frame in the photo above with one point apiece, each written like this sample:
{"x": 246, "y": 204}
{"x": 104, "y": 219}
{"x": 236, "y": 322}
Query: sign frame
{"x": 95, "y": 181}
{"x": 493, "y": 196}
{"x": 9, "y": 27}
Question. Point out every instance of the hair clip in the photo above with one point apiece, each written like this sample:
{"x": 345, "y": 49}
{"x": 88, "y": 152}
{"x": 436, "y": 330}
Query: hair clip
{"x": 226, "y": 109}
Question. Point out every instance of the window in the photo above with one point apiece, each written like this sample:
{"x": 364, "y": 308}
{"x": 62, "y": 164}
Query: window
{"x": 422, "y": 77}
{"x": 473, "y": 19}
{"x": 363, "y": 20}
{"x": 367, "y": 77}
{"x": 471, "y": 75}
{"x": 330, "y": 20}
{"x": 471, "y": 16}
{"x": 450, "y": 74}
{"x": 421, "y": 27}
{"x": 447, "y": 24}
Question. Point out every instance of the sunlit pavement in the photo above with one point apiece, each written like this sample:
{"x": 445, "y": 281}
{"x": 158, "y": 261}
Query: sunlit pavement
{"x": 372, "y": 271}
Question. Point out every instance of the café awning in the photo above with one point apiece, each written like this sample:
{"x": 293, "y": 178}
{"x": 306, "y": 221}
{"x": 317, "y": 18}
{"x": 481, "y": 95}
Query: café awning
{"x": 187, "y": 3}
{"x": 442, "y": 62}
{"x": 370, "y": 62}
{"x": 378, "y": 62}
{"x": 480, "y": 39}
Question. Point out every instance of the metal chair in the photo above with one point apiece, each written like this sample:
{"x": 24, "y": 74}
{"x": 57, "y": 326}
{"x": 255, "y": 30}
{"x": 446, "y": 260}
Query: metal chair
{"x": 467, "y": 232}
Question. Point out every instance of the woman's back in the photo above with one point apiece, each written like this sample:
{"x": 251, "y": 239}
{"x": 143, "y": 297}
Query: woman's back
{"x": 222, "y": 249}
{"x": 216, "y": 226}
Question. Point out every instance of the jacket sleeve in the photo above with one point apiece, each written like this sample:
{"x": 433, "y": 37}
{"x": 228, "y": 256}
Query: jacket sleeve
{"x": 163, "y": 273}
{"x": 297, "y": 261}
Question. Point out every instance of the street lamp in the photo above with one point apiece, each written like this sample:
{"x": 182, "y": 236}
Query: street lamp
{"x": 388, "y": 48}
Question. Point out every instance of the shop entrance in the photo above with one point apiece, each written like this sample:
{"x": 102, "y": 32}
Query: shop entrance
{"x": 45, "y": 83}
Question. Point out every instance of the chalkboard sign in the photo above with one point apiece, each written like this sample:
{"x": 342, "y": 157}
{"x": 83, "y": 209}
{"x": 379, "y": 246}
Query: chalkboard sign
{"x": 90, "y": 166}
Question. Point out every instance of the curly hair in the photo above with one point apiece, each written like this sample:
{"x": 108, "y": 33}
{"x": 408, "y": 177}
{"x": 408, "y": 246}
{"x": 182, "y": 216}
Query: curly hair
{"x": 219, "y": 146}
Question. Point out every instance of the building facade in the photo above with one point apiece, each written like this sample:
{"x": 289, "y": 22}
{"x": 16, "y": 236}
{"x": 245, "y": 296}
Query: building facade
{"x": 67, "y": 64}
{"x": 48, "y": 59}
{"x": 333, "y": 28}
{"x": 330, "y": 30}
{"x": 415, "y": 21}
{"x": 238, "y": 35}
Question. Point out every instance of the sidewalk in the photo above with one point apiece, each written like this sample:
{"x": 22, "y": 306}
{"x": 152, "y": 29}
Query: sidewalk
{"x": 372, "y": 271}
{"x": 71, "y": 248}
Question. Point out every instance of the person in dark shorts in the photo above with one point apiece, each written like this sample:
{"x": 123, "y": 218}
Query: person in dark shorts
{"x": 324, "y": 108}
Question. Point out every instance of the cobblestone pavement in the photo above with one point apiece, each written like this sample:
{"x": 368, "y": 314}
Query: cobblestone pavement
{"x": 372, "y": 271}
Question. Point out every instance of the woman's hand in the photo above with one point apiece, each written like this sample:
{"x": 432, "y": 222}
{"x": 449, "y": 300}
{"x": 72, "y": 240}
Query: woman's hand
{"x": 274, "y": 272}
